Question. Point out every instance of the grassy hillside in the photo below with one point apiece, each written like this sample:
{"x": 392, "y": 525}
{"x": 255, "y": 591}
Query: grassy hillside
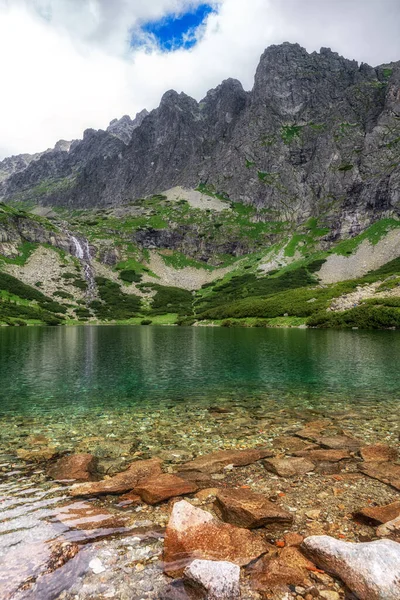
{"x": 165, "y": 262}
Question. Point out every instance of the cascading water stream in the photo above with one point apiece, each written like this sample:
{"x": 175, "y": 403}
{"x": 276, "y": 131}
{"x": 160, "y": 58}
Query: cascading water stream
{"x": 82, "y": 252}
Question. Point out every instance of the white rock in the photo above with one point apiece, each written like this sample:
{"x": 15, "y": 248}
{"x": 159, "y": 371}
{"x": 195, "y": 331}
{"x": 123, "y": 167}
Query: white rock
{"x": 371, "y": 570}
{"x": 220, "y": 579}
{"x": 97, "y": 566}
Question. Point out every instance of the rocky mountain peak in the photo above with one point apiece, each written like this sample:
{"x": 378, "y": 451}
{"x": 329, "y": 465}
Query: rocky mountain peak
{"x": 122, "y": 128}
{"x": 317, "y": 135}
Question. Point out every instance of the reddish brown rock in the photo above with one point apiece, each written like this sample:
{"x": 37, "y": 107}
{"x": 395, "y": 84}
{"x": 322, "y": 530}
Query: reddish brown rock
{"x": 324, "y": 455}
{"x": 82, "y": 515}
{"x": 246, "y": 508}
{"x": 207, "y": 493}
{"x": 386, "y": 472}
{"x": 123, "y": 482}
{"x": 78, "y": 467}
{"x": 216, "y": 461}
{"x": 193, "y": 533}
{"x": 37, "y": 454}
{"x": 202, "y": 480}
{"x": 132, "y": 497}
{"x": 292, "y": 443}
{"x": 161, "y": 487}
{"x": 378, "y": 453}
{"x": 287, "y": 467}
{"x": 339, "y": 442}
{"x": 293, "y": 539}
{"x": 288, "y": 567}
{"x": 380, "y": 514}
{"x": 329, "y": 468}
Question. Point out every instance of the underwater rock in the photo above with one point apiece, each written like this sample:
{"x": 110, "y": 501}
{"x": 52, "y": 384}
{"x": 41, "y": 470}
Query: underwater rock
{"x": 339, "y": 442}
{"x": 78, "y": 467}
{"x": 378, "y": 453}
{"x": 216, "y": 461}
{"x": 380, "y": 514}
{"x": 275, "y": 570}
{"x": 324, "y": 455}
{"x": 246, "y": 508}
{"x": 287, "y": 467}
{"x": 194, "y": 533}
{"x": 161, "y": 487}
{"x": 123, "y": 482}
{"x": 82, "y": 515}
{"x": 386, "y": 472}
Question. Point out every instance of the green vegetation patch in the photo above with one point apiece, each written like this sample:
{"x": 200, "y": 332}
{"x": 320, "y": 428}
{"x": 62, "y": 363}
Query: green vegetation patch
{"x": 290, "y": 133}
{"x": 178, "y": 260}
{"x": 130, "y": 276}
{"x": 168, "y": 299}
{"x": 114, "y": 304}
{"x": 365, "y": 316}
{"x": 250, "y": 286}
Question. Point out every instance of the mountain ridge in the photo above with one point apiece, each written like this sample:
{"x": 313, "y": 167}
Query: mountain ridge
{"x": 318, "y": 134}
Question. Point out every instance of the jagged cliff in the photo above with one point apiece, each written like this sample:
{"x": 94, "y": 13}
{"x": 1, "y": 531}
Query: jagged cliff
{"x": 318, "y": 135}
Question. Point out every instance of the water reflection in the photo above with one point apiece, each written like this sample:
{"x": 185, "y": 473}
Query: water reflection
{"x": 42, "y": 369}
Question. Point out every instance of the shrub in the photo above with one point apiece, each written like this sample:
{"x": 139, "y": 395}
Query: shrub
{"x": 146, "y": 322}
{"x": 80, "y": 284}
{"x": 171, "y": 300}
{"x": 64, "y": 295}
{"x": 115, "y": 304}
{"x": 130, "y": 276}
{"x": 363, "y": 317}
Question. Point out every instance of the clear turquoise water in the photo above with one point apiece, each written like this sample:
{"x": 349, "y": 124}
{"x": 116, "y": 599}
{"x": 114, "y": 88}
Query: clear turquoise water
{"x": 159, "y": 382}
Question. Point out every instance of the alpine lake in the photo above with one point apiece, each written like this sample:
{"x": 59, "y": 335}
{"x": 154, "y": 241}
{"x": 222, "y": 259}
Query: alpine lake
{"x": 125, "y": 393}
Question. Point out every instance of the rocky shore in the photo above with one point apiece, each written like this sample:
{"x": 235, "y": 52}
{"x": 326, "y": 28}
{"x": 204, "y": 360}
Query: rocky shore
{"x": 313, "y": 514}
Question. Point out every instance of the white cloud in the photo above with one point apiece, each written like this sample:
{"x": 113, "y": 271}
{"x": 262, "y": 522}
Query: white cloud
{"x": 67, "y": 64}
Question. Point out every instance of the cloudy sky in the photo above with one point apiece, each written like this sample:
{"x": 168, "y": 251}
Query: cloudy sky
{"x": 67, "y": 65}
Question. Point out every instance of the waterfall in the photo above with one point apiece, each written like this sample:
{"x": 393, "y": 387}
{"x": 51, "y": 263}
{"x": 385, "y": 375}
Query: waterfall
{"x": 82, "y": 252}
{"x": 79, "y": 253}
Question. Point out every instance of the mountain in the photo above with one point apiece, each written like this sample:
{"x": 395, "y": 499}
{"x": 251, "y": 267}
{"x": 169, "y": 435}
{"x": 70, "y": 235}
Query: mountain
{"x": 277, "y": 206}
{"x": 317, "y": 134}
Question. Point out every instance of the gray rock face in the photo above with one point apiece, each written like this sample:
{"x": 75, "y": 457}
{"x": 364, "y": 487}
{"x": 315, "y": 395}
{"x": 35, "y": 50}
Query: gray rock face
{"x": 371, "y": 570}
{"x": 317, "y": 135}
{"x": 219, "y": 579}
{"x": 122, "y": 128}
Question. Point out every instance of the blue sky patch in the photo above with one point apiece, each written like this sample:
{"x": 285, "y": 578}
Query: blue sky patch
{"x": 177, "y": 31}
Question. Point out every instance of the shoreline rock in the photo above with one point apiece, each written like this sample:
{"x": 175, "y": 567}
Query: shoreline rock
{"x": 193, "y": 533}
{"x": 371, "y": 570}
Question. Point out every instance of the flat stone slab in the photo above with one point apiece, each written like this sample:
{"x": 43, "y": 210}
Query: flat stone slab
{"x": 379, "y": 453}
{"x": 122, "y": 482}
{"x": 162, "y": 487}
{"x": 288, "y": 467}
{"x": 216, "y": 461}
{"x": 288, "y": 567}
{"x": 292, "y": 443}
{"x": 380, "y": 514}
{"x": 371, "y": 570}
{"x": 218, "y": 579}
{"x": 339, "y": 442}
{"x": 246, "y": 508}
{"x": 76, "y": 467}
{"x": 324, "y": 455}
{"x": 83, "y": 515}
{"x": 386, "y": 472}
{"x": 193, "y": 533}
